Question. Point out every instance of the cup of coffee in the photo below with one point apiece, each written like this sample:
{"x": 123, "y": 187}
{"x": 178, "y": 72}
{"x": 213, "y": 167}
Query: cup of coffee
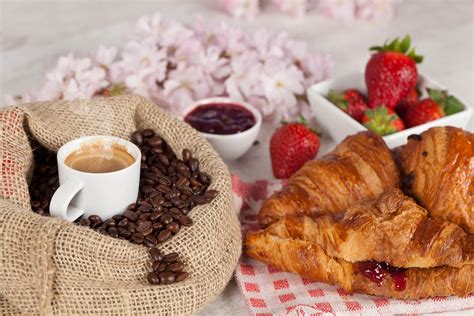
{"x": 98, "y": 175}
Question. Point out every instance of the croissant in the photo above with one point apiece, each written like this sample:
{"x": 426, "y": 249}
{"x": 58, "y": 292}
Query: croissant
{"x": 359, "y": 168}
{"x": 438, "y": 171}
{"x": 310, "y": 261}
{"x": 382, "y": 230}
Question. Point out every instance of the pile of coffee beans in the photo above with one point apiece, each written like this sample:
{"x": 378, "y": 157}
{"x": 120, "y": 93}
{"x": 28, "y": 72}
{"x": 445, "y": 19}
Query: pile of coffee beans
{"x": 45, "y": 179}
{"x": 167, "y": 269}
{"x": 169, "y": 189}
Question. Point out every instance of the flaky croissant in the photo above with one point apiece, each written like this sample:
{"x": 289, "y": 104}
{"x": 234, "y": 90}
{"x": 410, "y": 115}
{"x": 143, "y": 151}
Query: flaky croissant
{"x": 438, "y": 171}
{"x": 391, "y": 229}
{"x": 309, "y": 260}
{"x": 359, "y": 168}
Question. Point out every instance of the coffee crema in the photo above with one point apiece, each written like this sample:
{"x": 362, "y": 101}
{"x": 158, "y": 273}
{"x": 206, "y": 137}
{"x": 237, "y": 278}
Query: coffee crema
{"x": 99, "y": 157}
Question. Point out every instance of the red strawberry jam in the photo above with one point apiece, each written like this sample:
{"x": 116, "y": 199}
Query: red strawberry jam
{"x": 220, "y": 118}
{"x": 377, "y": 271}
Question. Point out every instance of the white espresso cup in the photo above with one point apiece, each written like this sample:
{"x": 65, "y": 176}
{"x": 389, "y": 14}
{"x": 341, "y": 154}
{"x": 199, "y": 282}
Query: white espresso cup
{"x": 102, "y": 193}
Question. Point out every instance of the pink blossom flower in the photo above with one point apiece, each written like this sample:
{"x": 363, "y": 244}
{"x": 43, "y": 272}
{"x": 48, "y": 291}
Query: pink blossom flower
{"x": 316, "y": 67}
{"x": 338, "y": 9}
{"x": 241, "y": 8}
{"x": 185, "y": 85}
{"x": 296, "y": 8}
{"x": 187, "y": 52}
{"x": 281, "y": 83}
{"x": 244, "y": 80}
{"x": 267, "y": 44}
{"x": 375, "y": 10}
{"x": 149, "y": 26}
{"x": 105, "y": 56}
{"x": 174, "y": 34}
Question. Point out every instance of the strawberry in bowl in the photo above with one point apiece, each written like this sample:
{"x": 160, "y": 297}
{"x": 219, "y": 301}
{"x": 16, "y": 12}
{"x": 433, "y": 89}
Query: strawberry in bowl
{"x": 400, "y": 100}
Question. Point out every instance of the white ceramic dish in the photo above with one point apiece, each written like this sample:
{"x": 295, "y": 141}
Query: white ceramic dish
{"x": 231, "y": 147}
{"x": 339, "y": 125}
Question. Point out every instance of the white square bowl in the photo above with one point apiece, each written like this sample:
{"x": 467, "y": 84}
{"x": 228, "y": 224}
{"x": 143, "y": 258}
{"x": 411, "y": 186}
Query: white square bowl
{"x": 338, "y": 124}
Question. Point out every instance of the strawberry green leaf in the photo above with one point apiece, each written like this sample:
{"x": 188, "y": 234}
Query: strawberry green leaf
{"x": 405, "y": 44}
{"x": 338, "y": 99}
{"x": 449, "y": 103}
{"x": 452, "y": 105}
{"x": 402, "y": 46}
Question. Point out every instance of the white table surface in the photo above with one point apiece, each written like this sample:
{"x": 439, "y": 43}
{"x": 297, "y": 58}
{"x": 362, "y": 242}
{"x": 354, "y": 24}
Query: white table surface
{"x": 35, "y": 33}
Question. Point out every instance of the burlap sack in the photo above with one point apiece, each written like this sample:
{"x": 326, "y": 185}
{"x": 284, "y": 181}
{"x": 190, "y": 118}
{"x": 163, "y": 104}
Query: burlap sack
{"x": 49, "y": 266}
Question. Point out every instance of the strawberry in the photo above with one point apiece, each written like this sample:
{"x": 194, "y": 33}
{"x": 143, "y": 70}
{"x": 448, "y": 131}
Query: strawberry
{"x": 350, "y": 101}
{"x": 291, "y": 146}
{"x": 407, "y": 102}
{"x": 382, "y": 121}
{"x": 391, "y": 73}
{"x": 439, "y": 104}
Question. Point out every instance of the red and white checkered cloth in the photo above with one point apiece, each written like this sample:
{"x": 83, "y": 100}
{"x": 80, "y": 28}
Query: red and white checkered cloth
{"x": 268, "y": 291}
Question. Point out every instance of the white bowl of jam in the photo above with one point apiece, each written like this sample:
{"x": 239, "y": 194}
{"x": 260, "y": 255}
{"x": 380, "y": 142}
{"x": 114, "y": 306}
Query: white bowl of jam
{"x": 230, "y": 126}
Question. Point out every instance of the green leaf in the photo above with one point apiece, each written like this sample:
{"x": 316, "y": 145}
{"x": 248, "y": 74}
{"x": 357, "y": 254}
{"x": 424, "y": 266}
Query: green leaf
{"x": 449, "y": 103}
{"x": 405, "y": 44}
{"x": 452, "y": 105}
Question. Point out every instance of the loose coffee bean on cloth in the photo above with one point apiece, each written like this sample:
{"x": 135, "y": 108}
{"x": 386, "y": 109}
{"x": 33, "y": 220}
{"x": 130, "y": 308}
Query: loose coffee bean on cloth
{"x": 169, "y": 189}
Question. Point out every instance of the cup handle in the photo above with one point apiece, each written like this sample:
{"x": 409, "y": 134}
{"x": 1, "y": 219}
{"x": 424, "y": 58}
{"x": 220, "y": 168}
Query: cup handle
{"x": 63, "y": 196}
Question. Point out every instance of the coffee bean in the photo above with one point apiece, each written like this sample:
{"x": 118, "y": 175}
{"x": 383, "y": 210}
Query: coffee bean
{"x": 144, "y": 217}
{"x": 194, "y": 182}
{"x": 175, "y": 267}
{"x": 171, "y": 257}
{"x": 153, "y": 278}
{"x": 132, "y": 207}
{"x": 117, "y": 218}
{"x": 163, "y": 236}
{"x": 95, "y": 220}
{"x": 130, "y": 215}
{"x": 158, "y": 266}
{"x": 163, "y": 188}
{"x": 155, "y": 141}
{"x": 173, "y": 227}
{"x": 144, "y": 226}
{"x": 155, "y": 254}
{"x": 185, "y": 220}
{"x": 123, "y": 222}
{"x": 193, "y": 164}
{"x": 113, "y": 231}
{"x": 124, "y": 233}
{"x": 181, "y": 276}
{"x": 148, "y": 132}
{"x": 212, "y": 193}
{"x": 186, "y": 155}
{"x": 158, "y": 226}
{"x": 155, "y": 215}
{"x": 132, "y": 227}
{"x": 198, "y": 199}
{"x": 167, "y": 204}
{"x": 85, "y": 222}
{"x": 164, "y": 160}
{"x": 137, "y": 138}
{"x": 166, "y": 219}
{"x": 166, "y": 181}
{"x": 109, "y": 223}
{"x": 167, "y": 277}
{"x": 150, "y": 240}
{"x": 137, "y": 238}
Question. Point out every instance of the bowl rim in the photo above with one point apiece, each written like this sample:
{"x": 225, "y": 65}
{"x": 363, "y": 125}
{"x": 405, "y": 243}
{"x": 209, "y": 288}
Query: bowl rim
{"x": 468, "y": 109}
{"x": 256, "y": 113}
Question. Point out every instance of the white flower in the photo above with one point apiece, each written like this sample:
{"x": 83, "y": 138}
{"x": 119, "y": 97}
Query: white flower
{"x": 281, "y": 83}
{"x": 244, "y": 80}
{"x": 105, "y": 56}
{"x": 184, "y": 86}
{"x": 149, "y": 26}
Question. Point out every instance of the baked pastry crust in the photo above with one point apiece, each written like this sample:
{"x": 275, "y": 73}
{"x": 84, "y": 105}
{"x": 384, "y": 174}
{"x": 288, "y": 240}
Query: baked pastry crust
{"x": 359, "y": 168}
{"x": 310, "y": 261}
{"x": 438, "y": 171}
{"x": 392, "y": 229}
